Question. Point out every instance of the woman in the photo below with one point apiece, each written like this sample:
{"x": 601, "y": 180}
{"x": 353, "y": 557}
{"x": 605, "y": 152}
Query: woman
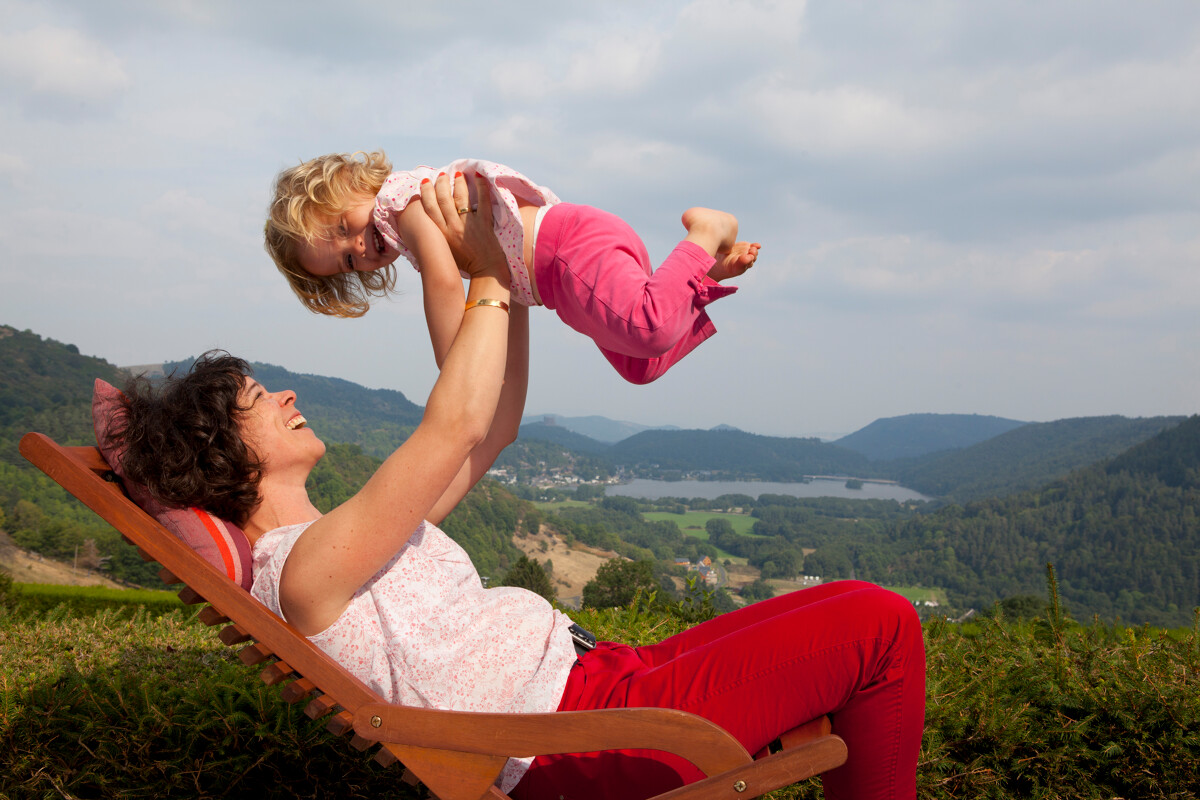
{"x": 389, "y": 596}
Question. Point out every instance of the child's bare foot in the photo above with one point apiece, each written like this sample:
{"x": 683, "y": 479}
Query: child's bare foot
{"x": 714, "y": 231}
{"x": 735, "y": 261}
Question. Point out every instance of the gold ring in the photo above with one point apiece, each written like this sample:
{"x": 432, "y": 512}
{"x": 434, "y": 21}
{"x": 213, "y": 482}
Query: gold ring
{"x": 462, "y": 211}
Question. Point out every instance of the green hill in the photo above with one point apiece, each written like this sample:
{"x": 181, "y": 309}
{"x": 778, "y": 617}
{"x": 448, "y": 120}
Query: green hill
{"x": 47, "y": 386}
{"x": 1111, "y": 501}
{"x": 915, "y": 435}
{"x": 1026, "y": 457}
{"x": 1124, "y": 536}
{"x": 562, "y": 436}
{"x": 602, "y": 429}
{"x": 735, "y": 454}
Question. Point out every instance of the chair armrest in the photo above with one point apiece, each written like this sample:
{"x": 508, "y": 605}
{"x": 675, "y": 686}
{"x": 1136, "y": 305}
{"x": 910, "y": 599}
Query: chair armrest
{"x": 693, "y": 738}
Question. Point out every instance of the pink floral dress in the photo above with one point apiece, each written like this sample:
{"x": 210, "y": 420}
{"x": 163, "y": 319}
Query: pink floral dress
{"x": 425, "y": 632}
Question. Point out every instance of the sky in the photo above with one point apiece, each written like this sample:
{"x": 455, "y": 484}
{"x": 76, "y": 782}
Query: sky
{"x": 989, "y": 207}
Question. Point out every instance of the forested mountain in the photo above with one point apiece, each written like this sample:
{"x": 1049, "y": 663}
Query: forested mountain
{"x": 1124, "y": 537}
{"x": 915, "y": 435}
{"x": 602, "y": 429}
{"x": 47, "y": 386}
{"x": 735, "y": 454}
{"x": 565, "y": 437}
{"x": 1172, "y": 456}
{"x": 1123, "y": 532}
{"x": 1026, "y": 457}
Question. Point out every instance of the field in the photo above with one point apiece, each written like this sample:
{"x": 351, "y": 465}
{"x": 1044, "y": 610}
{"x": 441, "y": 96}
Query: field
{"x": 557, "y": 504}
{"x": 692, "y": 522}
{"x": 919, "y": 594}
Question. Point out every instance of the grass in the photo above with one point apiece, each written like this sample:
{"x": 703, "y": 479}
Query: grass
{"x": 919, "y": 593}
{"x": 555, "y": 505}
{"x": 124, "y": 703}
{"x": 89, "y": 599}
{"x": 693, "y": 522}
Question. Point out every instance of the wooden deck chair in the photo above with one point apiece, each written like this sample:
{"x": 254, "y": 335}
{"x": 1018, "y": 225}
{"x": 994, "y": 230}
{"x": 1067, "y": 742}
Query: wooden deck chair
{"x": 456, "y": 755}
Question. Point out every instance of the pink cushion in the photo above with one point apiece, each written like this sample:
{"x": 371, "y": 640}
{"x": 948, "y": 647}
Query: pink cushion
{"x": 217, "y": 541}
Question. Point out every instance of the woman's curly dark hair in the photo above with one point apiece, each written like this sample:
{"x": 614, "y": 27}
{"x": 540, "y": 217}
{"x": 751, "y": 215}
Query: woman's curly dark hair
{"x": 183, "y": 442}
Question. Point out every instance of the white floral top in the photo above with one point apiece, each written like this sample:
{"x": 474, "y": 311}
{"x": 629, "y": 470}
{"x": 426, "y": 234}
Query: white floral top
{"x": 507, "y": 184}
{"x": 424, "y": 632}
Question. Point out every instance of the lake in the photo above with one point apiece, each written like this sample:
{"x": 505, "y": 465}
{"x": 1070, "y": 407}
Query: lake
{"x": 652, "y": 490}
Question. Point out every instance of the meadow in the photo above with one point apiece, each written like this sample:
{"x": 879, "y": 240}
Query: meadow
{"x": 693, "y": 522}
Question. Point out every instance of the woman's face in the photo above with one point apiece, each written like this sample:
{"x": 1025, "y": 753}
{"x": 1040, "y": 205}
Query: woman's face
{"x": 276, "y": 431}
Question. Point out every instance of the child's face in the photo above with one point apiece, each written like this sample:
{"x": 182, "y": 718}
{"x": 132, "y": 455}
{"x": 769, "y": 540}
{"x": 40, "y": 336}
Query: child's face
{"x": 353, "y": 244}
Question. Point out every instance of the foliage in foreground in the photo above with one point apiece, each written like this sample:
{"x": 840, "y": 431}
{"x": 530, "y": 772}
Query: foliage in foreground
{"x": 128, "y": 705}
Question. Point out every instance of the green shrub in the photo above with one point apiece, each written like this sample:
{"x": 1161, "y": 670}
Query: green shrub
{"x": 8, "y": 595}
{"x": 131, "y": 705}
{"x": 1051, "y": 709}
{"x": 111, "y": 706}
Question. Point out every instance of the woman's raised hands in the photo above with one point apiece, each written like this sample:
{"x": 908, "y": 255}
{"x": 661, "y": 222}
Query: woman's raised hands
{"x": 467, "y": 228}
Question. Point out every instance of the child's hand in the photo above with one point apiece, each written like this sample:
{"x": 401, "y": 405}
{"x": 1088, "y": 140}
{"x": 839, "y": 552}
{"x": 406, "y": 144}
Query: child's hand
{"x": 468, "y": 230}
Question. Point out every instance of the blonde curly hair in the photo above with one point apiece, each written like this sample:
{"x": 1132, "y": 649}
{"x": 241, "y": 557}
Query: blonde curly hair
{"x": 306, "y": 198}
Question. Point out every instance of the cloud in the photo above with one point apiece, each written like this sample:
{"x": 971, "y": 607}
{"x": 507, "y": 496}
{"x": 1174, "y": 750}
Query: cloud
{"x": 843, "y": 121}
{"x": 986, "y": 207}
{"x": 61, "y": 64}
{"x": 727, "y": 24}
{"x": 14, "y": 169}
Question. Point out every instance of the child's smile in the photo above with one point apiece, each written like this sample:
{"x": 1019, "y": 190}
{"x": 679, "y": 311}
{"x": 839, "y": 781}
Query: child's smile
{"x": 354, "y": 245}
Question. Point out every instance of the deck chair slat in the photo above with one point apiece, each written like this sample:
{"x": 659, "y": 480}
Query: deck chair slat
{"x": 320, "y": 706}
{"x": 805, "y": 733}
{"x": 276, "y": 673}
{"x": 297, "y": 690}
{"x": 340, "y": 723}
{"x": 255, "y": 653}
{"x": 190, "y": 597}
{"x": 167, "y": 577}
{"x": 232, "y": 634}
{"x": 210, "y": 616}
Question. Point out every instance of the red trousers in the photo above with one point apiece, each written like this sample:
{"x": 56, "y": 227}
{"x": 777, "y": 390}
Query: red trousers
{"x": 848, "y": 649}
{"x": 594, "y": 271}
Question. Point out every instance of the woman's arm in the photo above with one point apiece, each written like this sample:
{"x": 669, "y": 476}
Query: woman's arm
{"x": 338, "y": 553}
{"x": 441, "y": 285}
{"x": 505, "y": 423}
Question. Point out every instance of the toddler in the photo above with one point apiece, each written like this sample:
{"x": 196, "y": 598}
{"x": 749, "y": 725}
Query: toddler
{"x": 338, "y": 222}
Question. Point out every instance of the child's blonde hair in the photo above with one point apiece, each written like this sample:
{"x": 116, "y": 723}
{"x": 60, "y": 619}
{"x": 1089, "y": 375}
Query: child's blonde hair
{"x": 306, "y": 198}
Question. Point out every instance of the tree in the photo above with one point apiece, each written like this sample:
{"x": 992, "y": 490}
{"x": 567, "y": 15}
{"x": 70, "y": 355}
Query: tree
{"x": 89, "y": 557}
{"x": 586, "y": 491}
{"x": 528, "y": 574}
{"x": 1022, "y": 606}
{"x": 617, "y": 582}
{"x": 758, "y": 590}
